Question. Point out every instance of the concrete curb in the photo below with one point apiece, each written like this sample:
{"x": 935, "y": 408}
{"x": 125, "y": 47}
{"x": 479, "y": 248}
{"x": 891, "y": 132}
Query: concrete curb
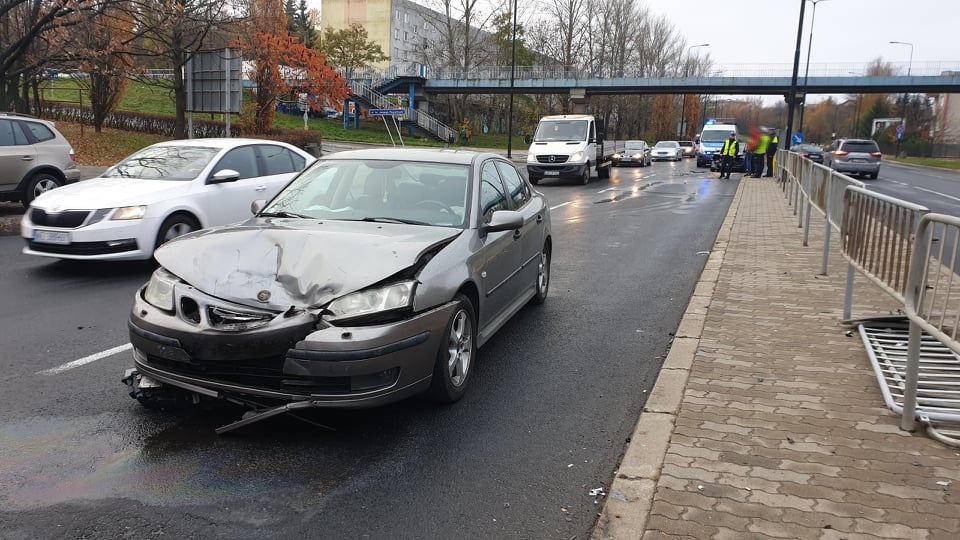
{"x": 630, "y": 497}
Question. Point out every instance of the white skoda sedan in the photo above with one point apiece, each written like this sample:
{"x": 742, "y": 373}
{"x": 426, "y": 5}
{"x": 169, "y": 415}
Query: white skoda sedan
{"x": 161, "y": 192}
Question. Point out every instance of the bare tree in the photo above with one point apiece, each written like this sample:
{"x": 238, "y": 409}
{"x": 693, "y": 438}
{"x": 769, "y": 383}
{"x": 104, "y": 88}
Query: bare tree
{"x": 31, "y": 35}
{"x": 173, "y": 30}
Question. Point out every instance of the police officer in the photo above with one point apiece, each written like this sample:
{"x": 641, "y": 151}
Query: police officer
{"x": 728, "y": 154}
{"x": 772, "y": 152}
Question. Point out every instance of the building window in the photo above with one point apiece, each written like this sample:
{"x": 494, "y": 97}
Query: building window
{"x": 406, "y": 36}
{"x": 396, "y": 33}
{"x": 398, "y": 16}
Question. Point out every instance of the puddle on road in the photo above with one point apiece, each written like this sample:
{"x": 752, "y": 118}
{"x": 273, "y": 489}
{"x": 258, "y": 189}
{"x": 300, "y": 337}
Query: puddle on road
{"x": 163, "y": 461}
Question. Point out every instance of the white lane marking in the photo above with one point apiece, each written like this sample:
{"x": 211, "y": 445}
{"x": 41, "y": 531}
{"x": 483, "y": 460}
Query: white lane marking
{"x": 937, "y": 193}
{"x": 86, "y": 360}
{"x": 559, "y": 205}
{"x": 609, "y": 189}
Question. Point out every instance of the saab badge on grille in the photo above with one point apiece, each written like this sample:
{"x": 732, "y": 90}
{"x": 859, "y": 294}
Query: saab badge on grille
{"x": 263, "y": 295}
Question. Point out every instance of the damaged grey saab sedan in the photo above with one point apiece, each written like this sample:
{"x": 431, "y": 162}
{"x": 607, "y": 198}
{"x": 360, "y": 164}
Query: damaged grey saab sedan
{"x": 373, "y": 276}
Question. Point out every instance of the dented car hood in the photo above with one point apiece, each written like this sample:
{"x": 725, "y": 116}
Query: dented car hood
{"x": 280, "y": 263}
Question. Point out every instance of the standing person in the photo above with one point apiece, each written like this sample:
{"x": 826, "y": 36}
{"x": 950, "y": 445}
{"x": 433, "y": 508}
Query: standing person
{"x": 760, "y": 153}
{"x": 728, "y": 155}
{"x": 772, "y": 151}
{"x": 752, "y": 141}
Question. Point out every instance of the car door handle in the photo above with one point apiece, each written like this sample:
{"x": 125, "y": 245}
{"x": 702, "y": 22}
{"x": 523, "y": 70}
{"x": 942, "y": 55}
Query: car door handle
{"x": 27, "y": 158}
{"x": 260, "y": 188}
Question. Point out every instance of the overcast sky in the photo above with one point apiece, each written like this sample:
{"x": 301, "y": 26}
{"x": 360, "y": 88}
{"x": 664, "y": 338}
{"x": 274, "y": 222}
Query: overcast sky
{"x": 844, "y": 31}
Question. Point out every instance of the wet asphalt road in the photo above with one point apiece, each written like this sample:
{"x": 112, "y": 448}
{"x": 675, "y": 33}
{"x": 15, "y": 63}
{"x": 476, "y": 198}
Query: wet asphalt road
{"x": 557, "y": 392}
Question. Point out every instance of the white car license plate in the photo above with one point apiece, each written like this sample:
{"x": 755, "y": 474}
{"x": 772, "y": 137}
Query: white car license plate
{"x": 551, "y": 173}
{"x": 51, "y": 237}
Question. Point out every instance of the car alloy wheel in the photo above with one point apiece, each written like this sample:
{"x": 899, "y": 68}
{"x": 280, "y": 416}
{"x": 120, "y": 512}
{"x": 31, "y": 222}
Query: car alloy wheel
{"x": 454, "y": 365}
{"x": 174, "y": 226}
{"x": 543, "y": 275}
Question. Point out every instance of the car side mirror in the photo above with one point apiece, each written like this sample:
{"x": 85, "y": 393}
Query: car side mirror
{"x": 224, "y": 175}
{"x": 503, "y": 220}
{"x": 257, "y": 205}
{"x": 527, "y": 139}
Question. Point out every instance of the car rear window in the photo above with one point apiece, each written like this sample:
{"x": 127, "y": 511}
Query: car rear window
{"x": 861, "y": 146}
{"x": 40, "y": 131}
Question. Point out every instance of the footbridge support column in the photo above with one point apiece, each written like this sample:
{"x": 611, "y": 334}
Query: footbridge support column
{"x": 578, "y": 100}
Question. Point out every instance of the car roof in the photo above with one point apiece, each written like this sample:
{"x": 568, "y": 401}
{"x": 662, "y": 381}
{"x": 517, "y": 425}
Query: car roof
{"x": 436, "y": 155}
{"x": 568, "y": 117}
{"x": 217, "y": 142}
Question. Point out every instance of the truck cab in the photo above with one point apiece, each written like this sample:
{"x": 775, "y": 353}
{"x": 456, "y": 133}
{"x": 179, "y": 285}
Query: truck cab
{"x": 568, "y": 146}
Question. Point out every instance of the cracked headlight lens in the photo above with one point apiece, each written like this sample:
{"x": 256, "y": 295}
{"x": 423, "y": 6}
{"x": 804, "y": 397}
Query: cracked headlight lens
{"x": 159, "y": 291}
{"x": 372, "y": 301}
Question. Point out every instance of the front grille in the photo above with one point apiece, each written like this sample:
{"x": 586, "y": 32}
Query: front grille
{"x": 85, "y": 248}
{"x": 548, "y": 158}
{"x": 71, "y": 219}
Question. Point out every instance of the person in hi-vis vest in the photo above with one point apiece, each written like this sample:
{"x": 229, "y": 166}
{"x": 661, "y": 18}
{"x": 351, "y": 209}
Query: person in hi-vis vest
{"x": 728, "y": 155}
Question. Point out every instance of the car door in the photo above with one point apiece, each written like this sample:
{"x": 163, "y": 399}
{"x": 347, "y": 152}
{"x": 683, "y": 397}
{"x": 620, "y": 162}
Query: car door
{"x": 532, "y": 233}
{"x": 228, "y": 202}
{"x": 17, "y": 155}
{"x": 502, "y": 251}
{"x": 278, "y": 165}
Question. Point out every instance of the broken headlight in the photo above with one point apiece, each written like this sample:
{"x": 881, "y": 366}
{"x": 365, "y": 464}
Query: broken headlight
{"x": 385, "y": 299}
{"x": 159, "y": 291}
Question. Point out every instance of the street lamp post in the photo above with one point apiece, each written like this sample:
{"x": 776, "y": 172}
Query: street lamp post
{"x": 903, "y": 104}
{"x": 683, "y": 98}
{"x": 513, "y": 69}
{"x": 792, "y": 96}
{"x": 806, "y": 72}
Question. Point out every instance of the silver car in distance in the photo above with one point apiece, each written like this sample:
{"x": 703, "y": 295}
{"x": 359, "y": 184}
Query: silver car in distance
{"x": 373, "y": 276}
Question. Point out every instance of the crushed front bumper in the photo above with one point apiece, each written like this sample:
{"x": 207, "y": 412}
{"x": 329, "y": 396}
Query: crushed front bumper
{"x": 295, "y": 357}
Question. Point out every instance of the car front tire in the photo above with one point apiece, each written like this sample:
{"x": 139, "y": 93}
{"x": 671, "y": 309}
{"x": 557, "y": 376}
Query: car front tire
{"x": 585, "y": 179}
{"x": 174, "y": 226}
{"x": 458, "y": 351}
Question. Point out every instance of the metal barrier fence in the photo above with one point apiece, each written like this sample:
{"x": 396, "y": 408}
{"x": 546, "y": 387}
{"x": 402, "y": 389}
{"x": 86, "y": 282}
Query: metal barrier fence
{"x": 932, "y": 304}
{"x": 913, "y": 256}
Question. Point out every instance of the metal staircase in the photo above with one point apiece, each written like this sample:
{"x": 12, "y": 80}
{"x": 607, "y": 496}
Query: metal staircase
{"x": 363, "y": 91}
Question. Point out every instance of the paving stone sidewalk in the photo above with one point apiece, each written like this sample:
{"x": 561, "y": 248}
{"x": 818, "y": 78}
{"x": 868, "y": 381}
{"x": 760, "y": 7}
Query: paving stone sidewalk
{"x": 767, "y": 420}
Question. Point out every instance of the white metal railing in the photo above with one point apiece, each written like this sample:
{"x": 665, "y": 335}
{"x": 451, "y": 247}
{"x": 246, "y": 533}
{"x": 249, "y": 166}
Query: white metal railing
{"x": 933, "y": 306}
{"x": 913, "y": 256}
{"x": 839, "y": 69}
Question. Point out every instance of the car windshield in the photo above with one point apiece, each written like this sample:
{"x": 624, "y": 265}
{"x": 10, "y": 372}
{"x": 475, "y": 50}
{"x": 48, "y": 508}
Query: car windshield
{"x": 177, "y": 163}
{"x": 633, "y": 145}
{"x": 561, "y": 130}
{"x": 385, "y": 191}
{"x": 667, "y": 144}
{"x": 715, "y": 135}
{"x": 686, "y": 143}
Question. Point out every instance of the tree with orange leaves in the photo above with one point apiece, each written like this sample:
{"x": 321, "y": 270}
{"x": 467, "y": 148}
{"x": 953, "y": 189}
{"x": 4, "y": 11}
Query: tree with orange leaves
{"x": 282, "y": 64}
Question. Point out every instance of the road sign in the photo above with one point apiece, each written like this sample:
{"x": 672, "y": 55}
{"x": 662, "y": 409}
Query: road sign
{"x": 387, "y": 112}
{"x": 797, "y": 138}
{"x": 899, "y": 135}
{"x": 900, "y": 129}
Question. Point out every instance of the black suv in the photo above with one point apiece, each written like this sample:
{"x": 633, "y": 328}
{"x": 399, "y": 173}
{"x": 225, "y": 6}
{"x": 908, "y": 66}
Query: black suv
{"x": 34, "y": 157}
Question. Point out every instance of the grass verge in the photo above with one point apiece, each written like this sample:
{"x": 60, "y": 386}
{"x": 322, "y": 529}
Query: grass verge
{"x": 941, "y": 163}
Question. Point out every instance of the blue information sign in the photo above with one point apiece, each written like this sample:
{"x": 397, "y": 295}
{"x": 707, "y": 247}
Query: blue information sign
{"x": 797, "y": 138}
{"x": 387, "y": 112}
